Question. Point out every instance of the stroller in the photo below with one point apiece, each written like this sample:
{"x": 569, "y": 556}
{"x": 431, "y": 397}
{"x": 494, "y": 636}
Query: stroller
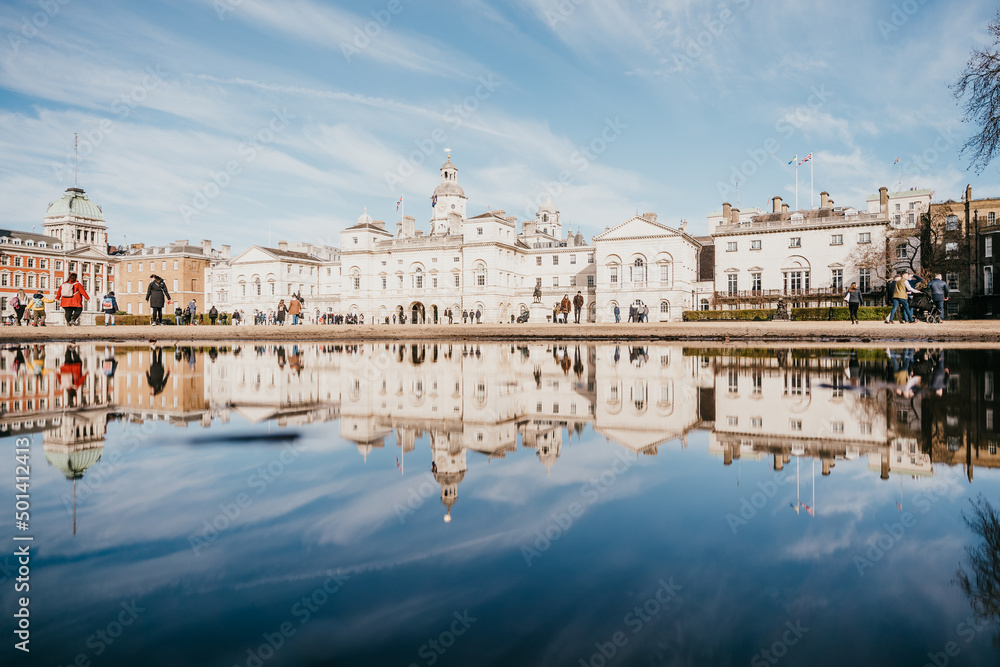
{"x": 523, "y": 317}
{"x": 924, "y": 308}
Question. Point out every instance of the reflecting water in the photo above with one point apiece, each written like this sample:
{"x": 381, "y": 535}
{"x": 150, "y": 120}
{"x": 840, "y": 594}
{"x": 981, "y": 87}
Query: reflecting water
{"x": 498, "y": 504}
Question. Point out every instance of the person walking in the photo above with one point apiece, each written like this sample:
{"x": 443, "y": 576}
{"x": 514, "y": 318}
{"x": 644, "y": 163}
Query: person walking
{"x": 236, "y": 318}
{"x": 577, "y": 306}
{"x": 465, "y": 317}
{"x": 71, "y": 298}
{"x": 939, "y": 293}
{"x": 37, "y": 311}
{"x": 631, "y": 313}
{"x": 479, "y": 315}
{"x": 213, "y": 314}
{"x": 564, "y": 307}
{"x": 282, "y": 310}
{"x": 853, "y": 299}
{"x": 294, "y": 309}
{"x": 193, "y": 310}
{"x": 900, "y": 299}
{"x": 18, "y": 303}
{"x": 644, "y": 313}
{"x": 157, "y": 296}
{"x": 109, "y": 306}
{"x": 618, "y": 314}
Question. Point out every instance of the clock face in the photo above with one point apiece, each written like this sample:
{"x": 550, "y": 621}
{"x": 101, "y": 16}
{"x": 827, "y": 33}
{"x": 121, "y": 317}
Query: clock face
{"x": 453, "y": 206}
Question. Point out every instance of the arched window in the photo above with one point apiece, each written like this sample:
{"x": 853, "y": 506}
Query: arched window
{"x": 355, "y": 279}
{"x": 664, "y": 308}
{"x": 638, "y": 271}
{"x": 545, "y": 218}
{"x": 418, "y": 278}
{"x": 480, "y": 272}
{"x": 256, "y": 284}
{"x": 703, "y": 305}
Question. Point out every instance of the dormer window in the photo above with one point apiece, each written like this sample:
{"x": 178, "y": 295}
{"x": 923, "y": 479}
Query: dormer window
{"x": 545, "y": 218}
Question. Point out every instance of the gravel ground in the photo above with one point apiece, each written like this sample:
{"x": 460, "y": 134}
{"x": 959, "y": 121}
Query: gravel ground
{"x": 969, "y": 331}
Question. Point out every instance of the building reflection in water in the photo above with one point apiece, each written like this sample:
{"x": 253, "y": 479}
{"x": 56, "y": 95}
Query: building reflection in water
{"x": 906, "y": 410}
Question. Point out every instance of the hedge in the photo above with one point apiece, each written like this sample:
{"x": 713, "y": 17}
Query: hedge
{"x": 828, "y": 313}
{"x": 127, "y": 320}
{"x": 757, "y": 314}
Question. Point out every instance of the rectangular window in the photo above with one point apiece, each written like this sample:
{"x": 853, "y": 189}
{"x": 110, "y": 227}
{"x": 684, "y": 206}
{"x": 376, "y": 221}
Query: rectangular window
{"x": 176, "y": 265}
{"x": 795, "y": 242}
{"x": 555, "y": 260}
{"x": 590, "y": 258}
{"x": 555, "y": 282}
{"x": 731, "y": 246}
{"x": 838, "y": 279}
{"x": 58, "y": 265}
{"x": 865, "y": 280}
{"x": 865, "y": 237}
{"x": 837, "y": 239}
{"x": 952, "y": 279}
{"x": 951, "y": 223}
{"x": 755, "y": 282}
{"x": 755, "y": 245}
{"x": 479, "y": 231}
{"x": 572, "y": 259}
{"x": 128, "y": 287}
{"x": 795, "y": 424}
{"x": 572, "y": 281}
{"x": 31, "y": 262}
{"x": 71, "y": 266}
{"x": 434, "y": 281}
{"x": 590, "y": 281}
{"x": 987, "y": 246}
{"x": 538, "y": 282}
{"x": 458, "y": 280}
{"x": 897, "y": 207}
{"x": 733, "y": 421}
{"x": 385, "y": 282}
{"x": 614, "y": 275}
{"x": 732, "y": 280}
{"x": 991, "y": 217}
{"x": 902, "y": 251}
{"x": 988, "y": 280}
{"x": 911, "y": 220}
{"x": 128, "y": 267}
{"x": 664, "y": 273}
{"x": 538, "y": 261}
{"x": 950, "y": 248}
{"x": 175, "y": 284}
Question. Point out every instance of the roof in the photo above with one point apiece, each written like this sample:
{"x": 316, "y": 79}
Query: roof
{"x": 74, "y": 203}
{"x": 370, "y": 227}
{"x": 449, "y": 188}
{"x": 29, "y": 236}
{"x": 301, "y": 256}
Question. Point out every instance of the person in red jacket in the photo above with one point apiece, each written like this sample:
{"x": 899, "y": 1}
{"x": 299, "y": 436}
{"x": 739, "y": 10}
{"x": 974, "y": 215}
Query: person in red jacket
{"x": 71, "y": 297}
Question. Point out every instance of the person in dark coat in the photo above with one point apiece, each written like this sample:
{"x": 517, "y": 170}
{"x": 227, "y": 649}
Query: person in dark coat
{"x": 213, "y": 314}
{"x": 157, "y": 296}
{"x": 156, "y": 378}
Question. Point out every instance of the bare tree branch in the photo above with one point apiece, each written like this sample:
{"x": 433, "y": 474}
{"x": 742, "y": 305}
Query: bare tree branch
{"x": 979, "y": 87}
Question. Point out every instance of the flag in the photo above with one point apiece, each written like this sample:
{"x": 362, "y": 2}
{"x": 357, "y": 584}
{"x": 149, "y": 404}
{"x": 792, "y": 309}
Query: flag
{"x": 398, "y": 465}
{"x": 794, "y": 159}
{"x": 897, "y": 161}
{"x": 399, "y": 203}
{"x": 808, "y": 509}
{"x": 434, "y": 201}
{"x": 806, "y": 158}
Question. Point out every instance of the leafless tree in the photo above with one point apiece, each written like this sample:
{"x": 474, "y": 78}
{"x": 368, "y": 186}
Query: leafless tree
{"x": 979, "y": 577}
{"x": 978, "y": 89}
{"x": 900, "y": 251}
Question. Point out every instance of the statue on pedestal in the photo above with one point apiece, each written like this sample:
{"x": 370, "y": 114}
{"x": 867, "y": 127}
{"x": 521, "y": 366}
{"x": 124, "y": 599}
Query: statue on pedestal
{"x": 537, "y": 294}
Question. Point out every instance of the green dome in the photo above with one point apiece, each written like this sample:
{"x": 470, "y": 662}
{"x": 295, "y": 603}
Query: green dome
{"x": 74, "y": 464}
{"x": 74, "y": 203}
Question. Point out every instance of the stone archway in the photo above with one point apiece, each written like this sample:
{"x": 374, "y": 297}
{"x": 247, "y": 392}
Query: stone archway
{"x": 418, "y": 313}
{"x": 434, "y": 314}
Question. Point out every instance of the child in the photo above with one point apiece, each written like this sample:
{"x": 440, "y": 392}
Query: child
{"x": 38, "y": 301}
{"x": 110, "y": 306}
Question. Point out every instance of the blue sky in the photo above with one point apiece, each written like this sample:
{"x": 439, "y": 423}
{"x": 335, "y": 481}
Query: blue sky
{"x": 244, "y": 120}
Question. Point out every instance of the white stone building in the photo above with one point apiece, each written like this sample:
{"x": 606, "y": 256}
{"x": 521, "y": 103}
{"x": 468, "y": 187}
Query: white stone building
{"x": 810, "y": 257}
{"x": 259, "y": 277}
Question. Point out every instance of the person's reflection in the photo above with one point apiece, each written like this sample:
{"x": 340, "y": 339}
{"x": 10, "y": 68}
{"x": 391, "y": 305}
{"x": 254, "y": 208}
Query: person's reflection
{"x": 618, "y": 354}
{"x": 854, "y": 369}
{"x": 578, "y": 363}
{"x": 295, "y": 360}
{"x": 902, "y": 374}
{"x": 979, "y": 576}
{"x": 156, "y": 377}
{"x": 281, "y": 357}
{"x": 71, "y": 375}
{"x": 939, "y": 379}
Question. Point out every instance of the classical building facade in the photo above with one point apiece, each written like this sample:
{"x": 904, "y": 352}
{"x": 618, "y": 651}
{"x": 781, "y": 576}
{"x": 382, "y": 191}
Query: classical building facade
{"x": 810, "y": 257}
{"x": 180, "y": 264}
{"x": 259, "y": 277}
{"x": 74, "y": 240}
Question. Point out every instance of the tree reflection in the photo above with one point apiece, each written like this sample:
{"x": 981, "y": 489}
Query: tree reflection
{"x": 979, "y": 577}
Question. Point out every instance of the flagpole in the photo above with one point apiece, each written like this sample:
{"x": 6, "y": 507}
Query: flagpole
{"x": 900, "y": 176}
{"x": 812, "y": 161}
{"x": 796, "y": 181}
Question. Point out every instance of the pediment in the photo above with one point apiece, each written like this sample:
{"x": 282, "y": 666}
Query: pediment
{"x": 636, "y": 227}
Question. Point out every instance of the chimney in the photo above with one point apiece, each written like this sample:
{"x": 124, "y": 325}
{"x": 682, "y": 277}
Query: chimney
{"x": 409, "y": 225}
{"x": 727, "y": 210}
{"x": 684, "y": 226}
{"x": 379, "y": 223}
{"x": 206, "y": 247}
{"x": 226, "y": 250}
{"x": 883, "y": 200}
{"x": 283, "y": 245}
{"x": 651, "y": 217}
{"x": 776, "y": 204}
{"x": 784, "y": 208}
{"x": 736, "y": 216}
{"x": 182, "y": 242}
{"x": 824, "y": 200}
{"x": 528, "y": 227}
